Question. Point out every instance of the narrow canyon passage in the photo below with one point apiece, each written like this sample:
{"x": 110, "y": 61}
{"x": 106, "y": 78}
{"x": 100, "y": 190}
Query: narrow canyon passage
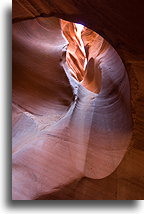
{"x": 71, "y": 107}
{"x": 107, "y": 113}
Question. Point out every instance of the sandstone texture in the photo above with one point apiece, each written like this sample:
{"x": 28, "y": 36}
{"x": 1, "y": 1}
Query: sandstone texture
{"x": 78, "y": 115}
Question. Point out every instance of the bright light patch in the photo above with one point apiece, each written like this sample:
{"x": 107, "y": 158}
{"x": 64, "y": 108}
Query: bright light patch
{"x": 79, "y": 28}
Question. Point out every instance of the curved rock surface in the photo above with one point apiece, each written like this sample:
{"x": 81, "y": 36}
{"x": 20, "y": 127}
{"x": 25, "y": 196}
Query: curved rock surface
{"x": 91, "y": 138}
{"x": 66, "y": 128}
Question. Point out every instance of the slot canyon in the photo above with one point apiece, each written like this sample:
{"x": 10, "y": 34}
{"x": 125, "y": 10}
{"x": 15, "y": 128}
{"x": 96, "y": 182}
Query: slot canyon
{"x": 77, "y": 100}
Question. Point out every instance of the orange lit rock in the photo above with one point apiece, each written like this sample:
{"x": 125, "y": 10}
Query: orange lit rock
{"x": 75, "y": 56}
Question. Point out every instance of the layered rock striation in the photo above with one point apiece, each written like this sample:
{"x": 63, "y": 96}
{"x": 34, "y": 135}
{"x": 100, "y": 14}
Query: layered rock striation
{"x": 72, "y": 121}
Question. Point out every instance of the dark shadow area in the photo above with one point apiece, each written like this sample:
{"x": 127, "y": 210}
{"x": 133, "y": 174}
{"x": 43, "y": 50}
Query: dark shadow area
{"x": 127, "y": 204}
{"x": 8, "y": 101}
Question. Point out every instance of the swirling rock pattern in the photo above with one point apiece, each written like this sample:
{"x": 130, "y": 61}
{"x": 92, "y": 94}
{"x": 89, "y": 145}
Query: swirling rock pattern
{"x": 65, "y": 128}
